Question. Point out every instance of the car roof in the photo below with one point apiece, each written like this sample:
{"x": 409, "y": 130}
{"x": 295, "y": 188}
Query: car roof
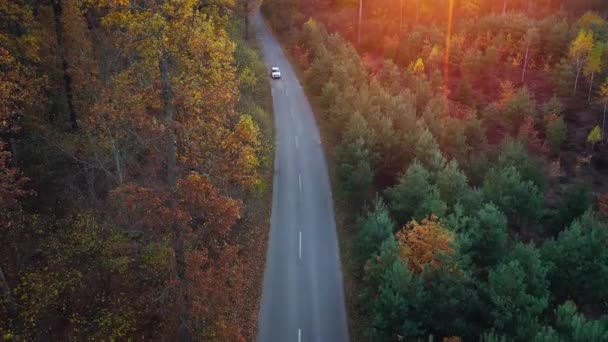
{"x": 275, "y": 68}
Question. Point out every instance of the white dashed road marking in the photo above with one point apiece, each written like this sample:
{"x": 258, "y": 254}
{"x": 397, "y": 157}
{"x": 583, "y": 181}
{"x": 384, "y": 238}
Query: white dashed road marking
{"x": 300, "y": 249}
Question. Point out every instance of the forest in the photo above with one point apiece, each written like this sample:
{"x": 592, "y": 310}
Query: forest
{"x": 135, "y": 153}
{"x": 467, "y": 140}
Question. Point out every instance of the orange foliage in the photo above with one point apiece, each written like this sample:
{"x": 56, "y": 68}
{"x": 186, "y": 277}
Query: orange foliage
{"x": 422, "y": 244}
{"x": 452, "y": 339}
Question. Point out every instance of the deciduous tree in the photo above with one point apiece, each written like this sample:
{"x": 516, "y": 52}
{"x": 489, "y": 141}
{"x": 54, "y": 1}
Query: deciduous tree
{"x": 579, "y": 52}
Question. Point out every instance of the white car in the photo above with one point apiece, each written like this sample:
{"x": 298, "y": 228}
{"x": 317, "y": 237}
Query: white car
{"x": 275, "y": 73}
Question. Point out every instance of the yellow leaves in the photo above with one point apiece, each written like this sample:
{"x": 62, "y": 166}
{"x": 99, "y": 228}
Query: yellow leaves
{"x": 247, "y": 130}
{"x": 435, "y": 54}
{"x": 582, "y": 45}
{"x": 418, "y": 67}
{"x": 595, "y": 135}
{"x": 242, "y": 145}
{"x": 105, "y": 4}
{"x": 595, "y": 61}
{"x": 422, "y": 244}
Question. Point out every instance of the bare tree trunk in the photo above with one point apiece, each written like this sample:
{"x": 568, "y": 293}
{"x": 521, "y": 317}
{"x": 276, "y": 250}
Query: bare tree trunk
{"x": 523, "y": 73}
{"x": 67, "y": 79}
{"x": 360, "y": 20}
{"x": 578, "y": 74}
{"x": 9, "y": 303}
{"x": 184, "y": 333}
{"x": 504, "y": 7}
{"x": 591, "y": 86}
{"x": 121, "y": 182}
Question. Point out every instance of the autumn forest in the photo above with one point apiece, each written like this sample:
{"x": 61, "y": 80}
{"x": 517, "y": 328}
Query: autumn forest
{"x": 466, "y": 140}
{"x": 468, "y": 147}
{"x": 134, "y": 152}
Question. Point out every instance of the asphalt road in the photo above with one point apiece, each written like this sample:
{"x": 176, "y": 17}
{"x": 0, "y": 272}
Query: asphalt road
{"x": 303, "y": 298}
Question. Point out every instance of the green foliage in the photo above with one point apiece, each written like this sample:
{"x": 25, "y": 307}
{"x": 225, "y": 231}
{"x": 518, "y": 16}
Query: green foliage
{"x": 486, "y": 237}
{"x": 521, "y": 200}
{"x": 514, "y": 153}
{"x": 575, "y": 200}
{"x": 398, "y": 296}
{"x": 556, "y": 133}
{"x": 578, "y": 253}
{"x": 563, "y": 77}
{"x": 428, "y": 152}
{"x": 553, "y": 106}
{"x": 355, "y": 170}
{"x": 452, "y": 183}
{"x": 398, "y": 118}
{"x": 572, "y": 326}
{"x": 515, "y": 308}
{"x": 516, "y": 108}
{"x": 320, "y": 70}
{"x": 414, "y": 196}
{"x": 372, "y": 230}
{"x": 328, "y": 94}
{"x": 390, "y": 77}
{"x": 452, "y": 300}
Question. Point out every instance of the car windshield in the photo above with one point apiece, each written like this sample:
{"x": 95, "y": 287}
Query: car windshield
{"x": 275, "y": 69}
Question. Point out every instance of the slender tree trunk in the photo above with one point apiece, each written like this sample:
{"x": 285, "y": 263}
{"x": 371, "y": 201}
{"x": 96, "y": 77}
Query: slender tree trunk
{"x": 578, "y": 74}
{"x": 417, "y": 12}
{"x": 591, "y": 86}
{"x": 523, "y": 73}
{"x": 504, "y": 7}
{"x": 121, "y": 182}
{"x": 184, "y": 333}
{"x": 9, "y": 303}
{"x": 67, "y": 79}
{"x": 360, "y": 21}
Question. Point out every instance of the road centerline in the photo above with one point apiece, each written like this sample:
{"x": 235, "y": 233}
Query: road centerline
{"x": 300, "y": 249}
{"x": 299, "y": 296}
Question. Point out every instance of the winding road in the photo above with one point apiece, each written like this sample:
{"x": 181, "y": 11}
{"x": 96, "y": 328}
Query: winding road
{"x": 303, "y": 298}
